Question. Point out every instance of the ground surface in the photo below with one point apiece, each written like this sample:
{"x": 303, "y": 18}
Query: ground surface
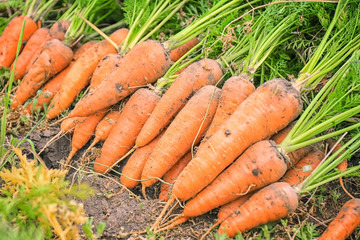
{"x": 127, "y": 214}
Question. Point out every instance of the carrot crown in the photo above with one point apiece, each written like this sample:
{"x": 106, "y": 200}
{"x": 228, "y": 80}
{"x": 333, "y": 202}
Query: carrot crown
{"x": 336, "y": 102}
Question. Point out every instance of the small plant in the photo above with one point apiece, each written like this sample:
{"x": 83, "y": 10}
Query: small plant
{"x": 87, "y": 227}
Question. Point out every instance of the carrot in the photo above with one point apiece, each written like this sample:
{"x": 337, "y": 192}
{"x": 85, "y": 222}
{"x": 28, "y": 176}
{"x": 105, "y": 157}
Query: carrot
{"x": 48, "y": 92}
{"x": 268, "y": 204}
{"x": 143, "y": 64}
{"x": 104, "y": 127}
{"x": 235, "y": 90}
{"x": 57, "y": 31}
{"x": 186, "y": 130}
{"x": 10, "y": 37}
{"x": 195, "y": 76}
{"x": 296, "y": 155}
{"x": 123, "y": 134}
{"x": 106, "y": 65}
{"x": 34, "y": 44}
{"x": 136, "y": 163}
{"x": 178, "y": 52}
{"x": 276, "y": 102}
{"x": 54, "y": 57}
{"x": 345, "y": 222}
{"x": 84, "y": 131}
{"x": 303, "y": 168}
{"x": 80, "y": 73}
{"x": 83, "y": 48}
{"x": 171, "y": 175}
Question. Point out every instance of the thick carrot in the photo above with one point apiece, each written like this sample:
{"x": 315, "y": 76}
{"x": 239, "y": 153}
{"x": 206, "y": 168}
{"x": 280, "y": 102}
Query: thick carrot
{"x": 54, "y": 57}
{"x": 48, "y": 92}
{"x": 83, "y": 48}
{"x": 177, "y": 53}
{"x": 235, "y": 90}
{"x": 171, "y": 175}
{"x": 269, "y": 109}
{"x": 106, "y": 65}
{"x": 57, "y": 31}
{"x": 303, "y": 168}
{"x": 268, "y": 204}
{"x": 79, "y": 75}
{"x": 34, "y": 44}
{"x": 123, "y": 134}
{"x": 143, "y": 64}
{"x": 194, "y": 77}
{"x": 136, "y": 163}
{"x": 10, "y": 38}
{"x": 296, "y": 155}
{"x": 84, "y": 131}
{"x": 186, "y": 130}
{"x": 345, "y": 222}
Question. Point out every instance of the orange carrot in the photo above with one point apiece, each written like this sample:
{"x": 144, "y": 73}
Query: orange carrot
{"x": 106, "y": 65}
{"x": 84, "y": 131}
{"x": 57, "y": 31}
{"x": 177, "y": 53}
{"x": 80, "y": 74}
{"x": 268, "y": 204}
{"x": 83, "y": 48}
{"x": 54, "y": 57}
{"x": 303, "y": 168}
{"x": 124, "y": 132}
{"x": 136, "y": 163}
{"x": 171, "y": 175}
{"x": 104, "y": 127}
{"x": 34, "y": 44}
{"x": 345, "y": 222}
{"x": 296, "y": 155}
{"x": 10, "y": 38}
{"x": 235, "y": 90}
{"x": 269, "y": 109}
{"x": 186, "y": 130}
{"x": 143, "y": 64}
{"x": 194, "y": 77}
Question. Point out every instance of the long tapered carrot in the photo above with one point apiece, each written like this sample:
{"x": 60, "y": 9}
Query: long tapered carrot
{"x": 56, "y": 31}
{"x": 10, "y": 37}
{"x": 185, "y": 130}
{"x": 269, "y": 109}
{"x": 345, "y": 222}
{"x": 268, "y": 204}
{"x": 195, "y": 76}
{"x": 34, "y": 44}
{"x": 123, "y": 134}
{"x": 104, "y": 127}
{"x": 83, "y": 48}
{"x": 235, "y": 90}
{"x": 134, "y": 166}
{"x": 296, "y": 155}
{"x": 106, "y": 65}
{"x": 124, "y": 80}
{"x": 54, "y": 57}
{"x": 84, "y": 131}
{"x": 178, "y": 52}
{"x": 171, "y": 175}
{"x": 80, "y": 73}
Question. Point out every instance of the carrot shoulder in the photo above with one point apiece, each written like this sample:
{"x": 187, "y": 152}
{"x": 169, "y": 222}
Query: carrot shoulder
{"x": 79, "y": 75}
{"x": 186, "y": 129}
{"x": 143, "y": 64}
{"x": 177, "y": 53}
{"x": 345, "y": 222}
{"x": 268, "y": 204}
{"x": 194, "y": 77}
{"x": 54, "y": 57}
{"x": 123, "y": 134}
{"x": 269, "y": 109}
{"x": 10, "y": 38}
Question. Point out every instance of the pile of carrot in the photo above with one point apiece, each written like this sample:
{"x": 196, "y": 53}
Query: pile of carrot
{"x": 193, "y": 114}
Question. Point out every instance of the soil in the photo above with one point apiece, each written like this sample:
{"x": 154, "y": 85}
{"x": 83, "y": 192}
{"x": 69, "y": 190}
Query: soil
{"x": 127, "y": 214}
